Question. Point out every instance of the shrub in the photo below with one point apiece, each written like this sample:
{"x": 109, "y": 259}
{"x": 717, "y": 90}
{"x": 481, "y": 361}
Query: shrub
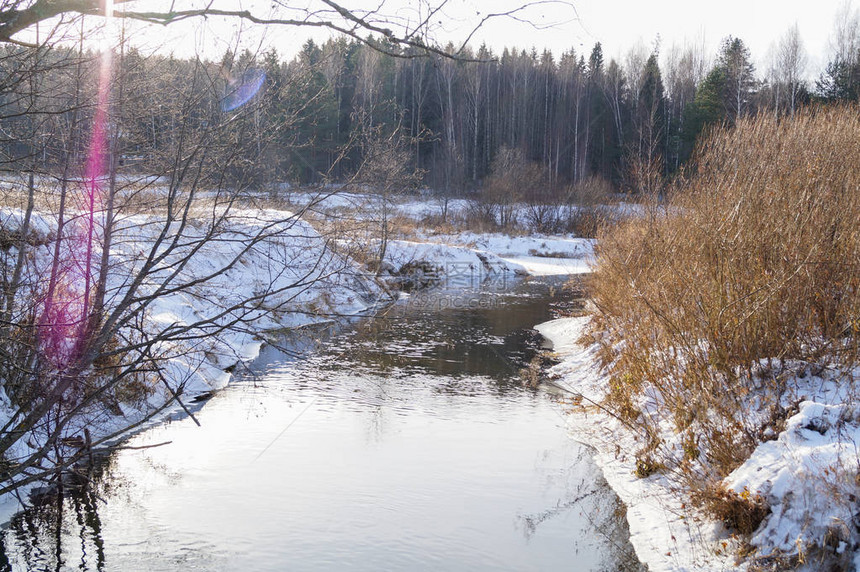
{"x": 754, "y": 259}
{"x": 513, "y": 178}
{"x": 742, "y": 512}
{"x": 588, "y": 206}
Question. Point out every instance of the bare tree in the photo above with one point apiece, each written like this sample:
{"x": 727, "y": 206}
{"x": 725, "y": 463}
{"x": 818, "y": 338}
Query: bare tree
{"x": 119, "y": 250}
{"x": 791, "y": 61}
{"x": 512, "y": 179}
{"x": 401, "y": 28}
{"x": 613, "y": 91}
{"x": 448, "y": 75}
{"x": 99, "y": 249}
{"x": 845, "y": 39}
{"x": 684, "y": 71}
{"x": 634, "y": 68}
{"x": 386, "y": 172}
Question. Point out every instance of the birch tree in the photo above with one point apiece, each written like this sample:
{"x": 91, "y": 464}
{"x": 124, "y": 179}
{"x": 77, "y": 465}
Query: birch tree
{"x": 791, "y": 61}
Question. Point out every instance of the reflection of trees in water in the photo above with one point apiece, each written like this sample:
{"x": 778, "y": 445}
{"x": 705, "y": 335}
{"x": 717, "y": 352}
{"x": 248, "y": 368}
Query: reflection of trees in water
{"x": 61, "y": 528}
{"x": 587, "y": 492}
{"x": 59, "y": 532}
{"x": 494, "y": 342}
{"x": 453, "y": 333}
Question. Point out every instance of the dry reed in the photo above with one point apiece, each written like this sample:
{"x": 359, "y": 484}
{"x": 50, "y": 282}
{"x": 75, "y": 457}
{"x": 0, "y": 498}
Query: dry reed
{"x": 752, "y": 263}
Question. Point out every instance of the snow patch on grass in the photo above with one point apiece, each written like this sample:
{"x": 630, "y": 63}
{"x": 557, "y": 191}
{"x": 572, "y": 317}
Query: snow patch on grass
{"x": 809, "y": 475}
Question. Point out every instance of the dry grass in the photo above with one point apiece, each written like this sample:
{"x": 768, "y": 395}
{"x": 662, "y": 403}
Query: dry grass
{"x": 742, "y": 512}
{"x": 754, "y": 261}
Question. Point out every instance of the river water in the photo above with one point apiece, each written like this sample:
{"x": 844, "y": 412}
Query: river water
{"x": 407, "y": 442}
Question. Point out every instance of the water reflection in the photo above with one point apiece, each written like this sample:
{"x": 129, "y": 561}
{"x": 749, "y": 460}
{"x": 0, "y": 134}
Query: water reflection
{"x": 58, "y": 532}
{"x": 403, "y": 443}
{"x": 429, "y": 334}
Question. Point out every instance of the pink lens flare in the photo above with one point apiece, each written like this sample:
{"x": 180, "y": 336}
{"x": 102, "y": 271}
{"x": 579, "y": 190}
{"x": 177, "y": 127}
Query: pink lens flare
{"x": 66, "y": 308}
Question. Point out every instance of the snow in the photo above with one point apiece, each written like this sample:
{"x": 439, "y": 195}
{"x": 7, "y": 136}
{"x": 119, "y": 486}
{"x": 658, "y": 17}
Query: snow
{"x": 536, "y": 255}
{"x": 538, "y": 266}
{"x": 808, "y": 473}
{"x": 666, "y": 534}
{"x": 300, "y": 277}
{"x": 562, "y": 333}
{"x": 401, "y": 252}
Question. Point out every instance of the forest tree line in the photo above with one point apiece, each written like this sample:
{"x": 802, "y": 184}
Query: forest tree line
{"x": 572, "y": 117}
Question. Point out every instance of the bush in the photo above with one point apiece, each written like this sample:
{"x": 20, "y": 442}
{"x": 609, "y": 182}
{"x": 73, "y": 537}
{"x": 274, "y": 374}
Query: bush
{"x": 513, "y": 178}
{"x": 753, "y": 260}
{"x": 588, "y": 206}
{"x": 742, "y": 512}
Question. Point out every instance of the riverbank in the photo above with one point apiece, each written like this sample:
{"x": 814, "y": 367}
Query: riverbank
{"x": 294, "y": 275}
{"x": 214, "y": 296}
{"x": 789, "y": 468}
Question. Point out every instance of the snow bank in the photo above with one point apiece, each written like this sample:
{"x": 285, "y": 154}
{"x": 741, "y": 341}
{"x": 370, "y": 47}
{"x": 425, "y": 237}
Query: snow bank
{"x": 537, "y": 266}
{"x": 537, "y": 255}
{"x": 293, "y": 274}
{"x": 808, "y": 473}
{"x": 452, "y": 264}
{"x": 665, "y": 533}
{"x": 204, "y": 282}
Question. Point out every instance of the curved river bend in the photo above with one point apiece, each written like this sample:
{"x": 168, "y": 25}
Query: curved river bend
{"x": 405, "y": 443}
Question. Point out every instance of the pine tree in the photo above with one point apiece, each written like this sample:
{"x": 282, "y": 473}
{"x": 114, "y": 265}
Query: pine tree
{"x": 840, "y": 81}
{"x": 724, "y": 95}
{"x": 706, "y": 109}
{"x": 645, "y": 161}
{"x": 735, "y": 60}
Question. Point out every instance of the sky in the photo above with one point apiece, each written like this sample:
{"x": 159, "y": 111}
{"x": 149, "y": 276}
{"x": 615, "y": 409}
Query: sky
{"x": 555, "y": 25}
{"x": 621, "y": 24}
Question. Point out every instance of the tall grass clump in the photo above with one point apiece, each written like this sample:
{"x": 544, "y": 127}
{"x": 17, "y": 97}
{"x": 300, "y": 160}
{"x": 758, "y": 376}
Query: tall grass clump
{"x": 749, "y": 268}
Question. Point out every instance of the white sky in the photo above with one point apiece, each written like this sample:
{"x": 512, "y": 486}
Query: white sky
{"x": 617, "y": 24}
{"x": 620, "y": 24}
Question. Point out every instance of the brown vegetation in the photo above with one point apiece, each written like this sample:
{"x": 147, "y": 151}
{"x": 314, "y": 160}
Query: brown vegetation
{"x": 750, "y": 267}
{"x": 742, "y": 511}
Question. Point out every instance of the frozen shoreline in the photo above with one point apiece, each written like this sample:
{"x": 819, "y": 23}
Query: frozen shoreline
{"x": 790, "y": 471}
{"x": 662, "y": 530}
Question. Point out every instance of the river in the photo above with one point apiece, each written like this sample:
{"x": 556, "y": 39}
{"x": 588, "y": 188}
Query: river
{"x": 406, "y": 442}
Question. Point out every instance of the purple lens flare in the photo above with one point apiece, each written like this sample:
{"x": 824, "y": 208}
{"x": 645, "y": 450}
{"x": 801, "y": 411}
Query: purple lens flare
{"x": 242, "y": 90}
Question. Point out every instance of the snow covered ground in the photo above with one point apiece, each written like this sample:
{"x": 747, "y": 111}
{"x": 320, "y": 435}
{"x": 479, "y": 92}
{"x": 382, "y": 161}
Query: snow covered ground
{"x": 293, "y": 272}
{"x": 535, "y": 255}
{"x": 808, "y": 473}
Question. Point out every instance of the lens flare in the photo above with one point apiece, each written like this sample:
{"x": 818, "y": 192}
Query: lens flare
{"x": 66, "y": 309}
{"x": 242, "y": 90}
